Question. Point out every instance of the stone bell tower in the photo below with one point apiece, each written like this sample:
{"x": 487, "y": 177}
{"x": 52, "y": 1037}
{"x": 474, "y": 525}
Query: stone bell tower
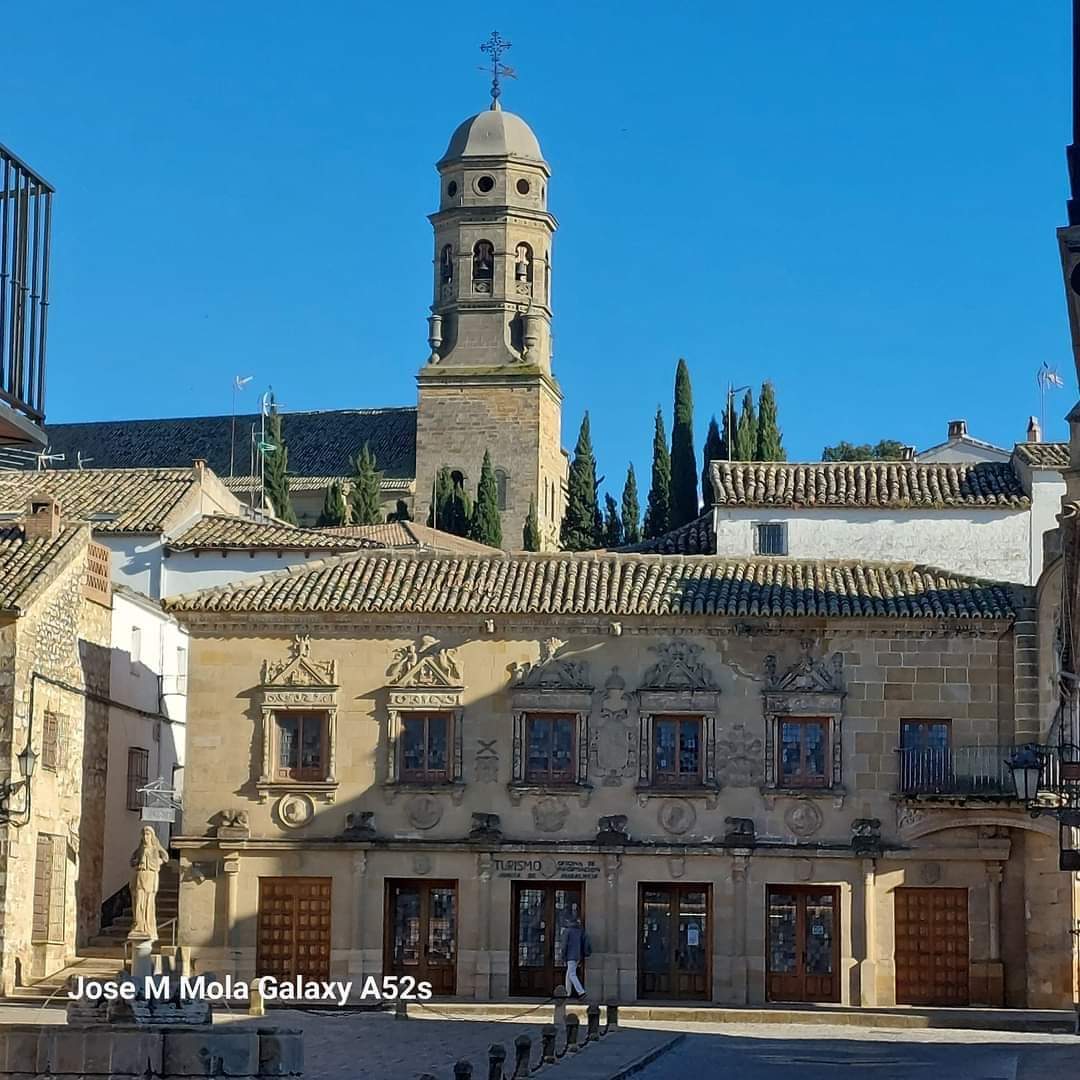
{"x": 487, "y": 383}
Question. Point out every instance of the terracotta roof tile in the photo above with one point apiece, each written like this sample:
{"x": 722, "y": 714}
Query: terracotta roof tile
{"x": 411, "y": 534}
{"x": 1044, "y": 455}
{"x": 23, "y": 562}
{"x": 609, "y": 585}
{"x": 870, "y": 484}
{"x": 223, "y": 531}
{"x": 694, "y": 538}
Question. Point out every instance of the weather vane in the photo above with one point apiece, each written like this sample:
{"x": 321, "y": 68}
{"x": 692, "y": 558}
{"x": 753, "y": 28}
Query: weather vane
{"x": 495, "y": 46}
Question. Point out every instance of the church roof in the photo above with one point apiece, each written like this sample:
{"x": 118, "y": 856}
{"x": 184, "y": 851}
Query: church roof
{"x": 610, "y": 585}
{"x": 868, "y": 485}
{"x": 321, "y": 443}
{"x": 493, "y": 133}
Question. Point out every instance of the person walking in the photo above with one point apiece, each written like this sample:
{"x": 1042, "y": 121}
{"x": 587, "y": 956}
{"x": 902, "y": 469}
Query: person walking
{"x": 576, "y": 948}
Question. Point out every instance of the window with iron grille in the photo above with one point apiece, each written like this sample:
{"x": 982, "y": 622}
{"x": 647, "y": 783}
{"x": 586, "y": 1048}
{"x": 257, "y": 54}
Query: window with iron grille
{"x": 50, "y": 741}
{"x": 770, "y": 538}
{"x": 138, "y": 774}
{"x": 50, "y": 888}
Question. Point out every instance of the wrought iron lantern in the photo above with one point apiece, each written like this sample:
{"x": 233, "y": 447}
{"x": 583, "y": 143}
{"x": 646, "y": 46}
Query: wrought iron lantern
{"x": 9, "y": 815}
{"x": 1026, "y": 766}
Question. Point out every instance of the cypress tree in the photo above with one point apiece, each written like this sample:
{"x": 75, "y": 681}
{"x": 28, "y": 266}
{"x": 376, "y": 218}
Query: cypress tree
{"x": 276, "y": 476}
{"x": 684, "y": 488}
{"x": 401, "y": 512}
{"x": 334, "y": 510}
{"x": 530, "y": 535}
{"x": 438, "y": 515}
{"x": 459, "y": 511}
{"x": 613, "y": 528}
{"x": 582, "y": 524}
{"x": 658, "y": 511}
{"x": 770, "y": 445}
{"x": 486, "y": 525}
{"x": 746, "y": 430}
{"x": 727, "y": 439}
{"x": 364, "y": 496}
{"x": 631, "y": 511}
{"x": 713, "y": 451}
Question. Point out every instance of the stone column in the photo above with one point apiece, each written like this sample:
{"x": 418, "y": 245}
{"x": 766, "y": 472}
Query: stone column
{"x": 740, "y": 988}
{"x": 867, "y": 965}
{"x": 612, "y": 872}
{"x": 483, "y": 936}
{"x": 231, "y": 867}
{"x": 355, "y": 963}
{"x": 995, "y": 969}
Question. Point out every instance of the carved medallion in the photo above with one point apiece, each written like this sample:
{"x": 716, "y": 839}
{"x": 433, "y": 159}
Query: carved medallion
{"x": 677, "y": 816}
{"x": 549, "y": 815}
{"x": 803, "y": 818}
{"x": 421, "y": 865}
{"x": 294, "y": 811}
{"x": 423, "y": 811}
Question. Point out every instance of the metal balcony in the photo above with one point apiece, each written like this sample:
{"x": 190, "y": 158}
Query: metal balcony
{"x": 980, "y": 771}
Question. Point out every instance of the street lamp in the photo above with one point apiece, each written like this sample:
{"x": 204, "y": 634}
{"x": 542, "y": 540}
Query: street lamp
{"x": 1026, "y": 767}
{"x": 27, "y": 761}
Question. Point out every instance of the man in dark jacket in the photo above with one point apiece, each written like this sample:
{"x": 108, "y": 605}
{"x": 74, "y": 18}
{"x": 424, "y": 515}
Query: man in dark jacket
{"x": 576, "y": 947}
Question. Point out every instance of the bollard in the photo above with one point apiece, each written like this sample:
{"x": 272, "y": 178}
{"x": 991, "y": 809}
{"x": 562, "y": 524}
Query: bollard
{"x": 401, "y": 1010}
{"x": 522, "y": 1053}
{"x": 572, "y": 1025}
{"x": 612, "y": 1016}
{"x": 463, "y": 1070}
{"x": 592, "y": 1014}
{"x": 256, "y": 1007}
{"x": 559, "y": 995}
{"x": 496, "y": 1058}
{"x": 547, "y": 1043}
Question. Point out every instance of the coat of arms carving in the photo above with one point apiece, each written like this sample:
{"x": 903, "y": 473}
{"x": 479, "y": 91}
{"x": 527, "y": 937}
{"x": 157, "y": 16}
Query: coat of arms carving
{"x": 679, "y": 666}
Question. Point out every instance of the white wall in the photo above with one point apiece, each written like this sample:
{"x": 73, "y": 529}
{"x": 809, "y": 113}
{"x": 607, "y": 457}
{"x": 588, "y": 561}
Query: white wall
{"x": 136, "y": 560}
{"x": 985, "y": 543}
{"x": 187, "y": 571}
{"x": 155, "y": 681}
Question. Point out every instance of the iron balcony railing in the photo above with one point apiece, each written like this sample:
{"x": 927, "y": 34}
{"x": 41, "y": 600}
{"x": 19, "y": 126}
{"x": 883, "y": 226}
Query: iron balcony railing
{"x": 25, "y": 228}
{"x": 970, "y": 770}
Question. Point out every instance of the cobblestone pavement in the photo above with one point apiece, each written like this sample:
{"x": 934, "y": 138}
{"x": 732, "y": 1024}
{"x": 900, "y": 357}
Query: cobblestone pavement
{"x": 766, "y": 1051}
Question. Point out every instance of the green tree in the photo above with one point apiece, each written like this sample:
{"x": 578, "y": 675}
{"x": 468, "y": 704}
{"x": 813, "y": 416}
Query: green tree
{"x": 746, "y": 430}
{"x": 658, "y": 510}
{"x": 364, "y": 503}
{"x": 727, "y": 439}
{"x": 613, "y": 530}
{"x": 276, "y": 467}
{"x": 401, "y": 512}
{"x": 885, "y": 450}
{"x": 713, "y": 451}
{"x": 439, "y": 512}
{"x": 530, "y": 534}
{"x": 631, "y": 510}
{"x": 334, "y": 509}
{"x": 684, "y": 486}
{"x": 582, "y": 524}
{"x": 770, "y": 445}
{"x": 459, "y": 511}
{"x": 486, "y": 525}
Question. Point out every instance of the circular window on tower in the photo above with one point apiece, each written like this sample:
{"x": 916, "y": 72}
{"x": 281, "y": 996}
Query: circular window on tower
{"x": 451, "y": 188}
{"x": 485, "y": 184}
{"x": 524, "y": 187}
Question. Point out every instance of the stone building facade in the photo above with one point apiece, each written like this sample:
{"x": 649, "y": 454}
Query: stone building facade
{"x": 54, "y": 648}
{"x": 755, "y": 780}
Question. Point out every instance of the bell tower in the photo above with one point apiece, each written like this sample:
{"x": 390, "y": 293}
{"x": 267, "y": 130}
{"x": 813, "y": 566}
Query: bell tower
{"x": 487, "y": 383}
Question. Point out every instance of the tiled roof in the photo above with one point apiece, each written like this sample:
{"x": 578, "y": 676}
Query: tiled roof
{"x": 317, "y": 483}
{"x": 1044, "y": 455}
{"x": 23, "y": 562}
{"x": 222, "y": 531}
{"x": 320, "y": 443}
{"x": 869, "y": 484}
{"x": 608, "y": 585}
{"x": 411, "y": 534}
{"x": 694, "y": 538}
{"x": 117, "y": 500}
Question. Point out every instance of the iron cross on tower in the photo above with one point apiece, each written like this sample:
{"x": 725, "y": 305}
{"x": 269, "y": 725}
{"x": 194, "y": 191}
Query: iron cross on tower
{"x": 495, "y": 46}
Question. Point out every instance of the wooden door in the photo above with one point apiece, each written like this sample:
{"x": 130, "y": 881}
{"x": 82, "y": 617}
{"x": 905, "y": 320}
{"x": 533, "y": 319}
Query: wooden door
{"x": 294, "y": 927}
{"x": 421, "y": 932}
{"x": 674, "y": 942}
{"x": 931, "y": 946}
{"x": 802, "y": 943}
{"x": 541, "y": 911}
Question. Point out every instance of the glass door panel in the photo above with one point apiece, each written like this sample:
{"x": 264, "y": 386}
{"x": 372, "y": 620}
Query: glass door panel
{"x": 540, "y": 914}
{"x": 673, "y": 941}
{"x": 422, "y": 932}
{"x": 802, "y": 943}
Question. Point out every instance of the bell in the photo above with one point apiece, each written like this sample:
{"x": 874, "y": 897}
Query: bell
{"x": 521, "y": 270}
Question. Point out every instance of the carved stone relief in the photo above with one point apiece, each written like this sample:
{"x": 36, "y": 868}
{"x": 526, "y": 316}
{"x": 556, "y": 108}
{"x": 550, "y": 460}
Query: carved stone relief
{"x": 550, "y": 672}
{"x": 677, "y": 816}
{"x": 486, "y": 762}
{"x": 739, "y": 758}
{"x": 804, "y": 869}
{"x": 423, "y": 811}
{"x": 930, "y": 873}
{"x": 679, "y": 666}
{"x": 549, "y": 815}
{"x": 295, "y": 811}
{"x": 421, "y": 865}
{"x": 299, "y": 669}
{"x": 803, "y": 818}
{"x": 676, "y": 866}
{"x": 424, "y": 665}
{"x": 614, "y": 743}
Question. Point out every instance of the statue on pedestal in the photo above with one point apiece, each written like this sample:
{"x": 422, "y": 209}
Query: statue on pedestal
{"x": 147, "y": 860}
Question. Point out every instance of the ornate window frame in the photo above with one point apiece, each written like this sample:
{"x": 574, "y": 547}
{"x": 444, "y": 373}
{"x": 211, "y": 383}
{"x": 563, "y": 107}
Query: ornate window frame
{"x": 680, "y": 685}
{"x": 424, "y": 678}
{"x": 812, "y": 689}
{"x": 551, "y": 685}
{"x": 298, "y": 684}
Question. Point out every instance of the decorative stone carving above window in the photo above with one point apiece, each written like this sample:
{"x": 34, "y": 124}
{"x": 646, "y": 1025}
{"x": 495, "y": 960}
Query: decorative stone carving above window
{"x": 425, "y": 679}
{"x": 298, "y": 685}
{"x": 810, "y": 690}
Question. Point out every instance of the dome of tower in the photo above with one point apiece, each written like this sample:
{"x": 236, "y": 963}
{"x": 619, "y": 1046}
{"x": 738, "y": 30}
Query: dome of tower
{"x": 493, "y": 133}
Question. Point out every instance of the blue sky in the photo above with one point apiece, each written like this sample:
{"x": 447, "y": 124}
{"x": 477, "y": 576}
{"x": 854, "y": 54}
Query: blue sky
{"x": 857, "y": 201}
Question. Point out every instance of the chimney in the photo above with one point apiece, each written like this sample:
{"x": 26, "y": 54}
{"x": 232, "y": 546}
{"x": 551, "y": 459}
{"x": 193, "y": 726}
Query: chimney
{"x": 1034, "y": 432}
{"x": 908, "y": 453}
{"x": 957, "y": 429}
{"x": 199, "y": 467}
{"x": 42, "y": 518}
